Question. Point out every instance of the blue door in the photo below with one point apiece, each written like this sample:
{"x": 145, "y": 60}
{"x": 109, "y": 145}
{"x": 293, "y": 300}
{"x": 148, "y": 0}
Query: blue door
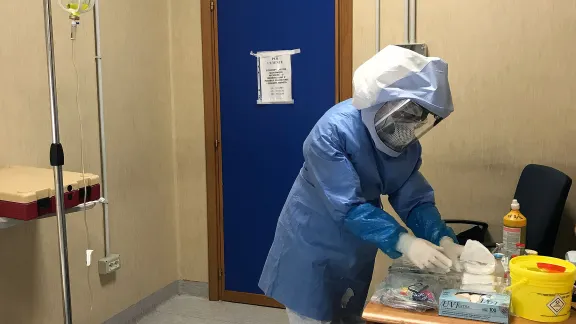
{"x": 262, "y": 144}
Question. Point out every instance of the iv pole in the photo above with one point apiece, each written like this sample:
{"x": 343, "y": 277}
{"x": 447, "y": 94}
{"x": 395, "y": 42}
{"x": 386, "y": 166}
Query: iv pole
{"x": 57, "y": 161}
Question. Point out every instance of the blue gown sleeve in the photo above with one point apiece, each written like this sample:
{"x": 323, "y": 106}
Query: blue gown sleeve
{"x": 414, "y": 202}
{"x": 342, "y": 193}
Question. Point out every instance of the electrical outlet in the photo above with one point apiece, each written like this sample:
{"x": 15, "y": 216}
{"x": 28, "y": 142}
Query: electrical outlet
{"x": 109, "y": 264}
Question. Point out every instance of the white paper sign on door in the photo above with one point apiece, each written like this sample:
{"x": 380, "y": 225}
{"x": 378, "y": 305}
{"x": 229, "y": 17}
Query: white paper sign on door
{"x": 275, "y": 76}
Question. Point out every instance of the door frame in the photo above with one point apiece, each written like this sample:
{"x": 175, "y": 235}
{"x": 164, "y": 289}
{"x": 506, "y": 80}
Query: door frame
{"x": 210, "y": 71}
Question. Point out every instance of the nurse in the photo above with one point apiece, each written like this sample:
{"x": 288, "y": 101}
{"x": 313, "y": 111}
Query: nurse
{"x": 321, "y": 261}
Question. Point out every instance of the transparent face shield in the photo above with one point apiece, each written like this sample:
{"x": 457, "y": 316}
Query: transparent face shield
{"x": 400, "y": 123}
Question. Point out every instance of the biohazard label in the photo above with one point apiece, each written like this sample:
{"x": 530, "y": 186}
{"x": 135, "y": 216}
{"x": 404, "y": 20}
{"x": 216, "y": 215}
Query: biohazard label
{"x": 556, "y": 305}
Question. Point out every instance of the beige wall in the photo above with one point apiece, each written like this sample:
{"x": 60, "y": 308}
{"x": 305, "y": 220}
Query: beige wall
{"x": 513, "y": 88}
{"x": 156, "y": 177}
{"x": 188, "y": 133}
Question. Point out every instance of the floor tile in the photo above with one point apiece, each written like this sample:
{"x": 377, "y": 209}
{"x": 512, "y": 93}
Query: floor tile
{"x": 164, "y": 318}
{"x": 189, "y": 306}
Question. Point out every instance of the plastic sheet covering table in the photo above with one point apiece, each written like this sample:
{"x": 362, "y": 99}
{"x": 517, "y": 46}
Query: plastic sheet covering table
{"x": 376, "y": 313}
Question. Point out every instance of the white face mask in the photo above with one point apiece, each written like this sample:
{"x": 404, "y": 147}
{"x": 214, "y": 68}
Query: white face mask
{"x": 397, "y": 124}
{"x": 398, "y": 135}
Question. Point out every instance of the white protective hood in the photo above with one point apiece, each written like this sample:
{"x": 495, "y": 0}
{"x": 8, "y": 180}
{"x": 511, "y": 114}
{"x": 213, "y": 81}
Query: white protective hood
{"x": 397, "y": 73}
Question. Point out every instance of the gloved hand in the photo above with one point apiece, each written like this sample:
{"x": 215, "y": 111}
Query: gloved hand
{"x": 422, "y": 253}
{"x": 452, "y": 251}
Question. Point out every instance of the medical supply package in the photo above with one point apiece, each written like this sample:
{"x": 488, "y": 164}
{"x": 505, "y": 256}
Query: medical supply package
{"x": 494, "y": 308}
{"x": 407, "y": 287}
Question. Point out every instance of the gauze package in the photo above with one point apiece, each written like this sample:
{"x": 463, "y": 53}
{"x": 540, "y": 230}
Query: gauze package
{"x": 479, "y": 269}
{"x": 474, "y": 279}
{"x": 479, "y": 266}
{"x": 480, "y": 288}
{"x": 477, "y": 259}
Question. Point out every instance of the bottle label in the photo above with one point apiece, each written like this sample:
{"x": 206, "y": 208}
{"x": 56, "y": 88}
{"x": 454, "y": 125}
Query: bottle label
{"x": 511, "y": 237}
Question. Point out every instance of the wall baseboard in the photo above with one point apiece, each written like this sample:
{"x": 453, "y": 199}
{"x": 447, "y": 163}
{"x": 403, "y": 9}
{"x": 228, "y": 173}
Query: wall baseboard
{"x": 193, "y": 288}
{"x": 148, "y": 304}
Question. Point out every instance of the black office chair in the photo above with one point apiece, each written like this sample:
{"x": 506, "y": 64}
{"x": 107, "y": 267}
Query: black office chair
{"x": 542, "y": 192}
{"x": 477, "y": 232}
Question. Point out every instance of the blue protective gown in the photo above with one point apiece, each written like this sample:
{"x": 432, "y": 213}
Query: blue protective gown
{"x": 332, "y": 225}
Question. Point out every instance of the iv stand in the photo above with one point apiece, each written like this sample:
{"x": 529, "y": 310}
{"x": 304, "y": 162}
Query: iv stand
{"x": 57, "y": 161}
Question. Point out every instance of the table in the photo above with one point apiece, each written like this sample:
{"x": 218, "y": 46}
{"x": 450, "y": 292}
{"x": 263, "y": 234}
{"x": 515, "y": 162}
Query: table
{"x": 376, "y": 313}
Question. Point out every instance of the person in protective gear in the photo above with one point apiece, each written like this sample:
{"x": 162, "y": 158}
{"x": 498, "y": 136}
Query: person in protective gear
{"x": 321, "y": 261}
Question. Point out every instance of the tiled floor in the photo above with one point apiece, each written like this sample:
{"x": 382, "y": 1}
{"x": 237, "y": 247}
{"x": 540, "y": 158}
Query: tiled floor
{"x": 195, "y": 310}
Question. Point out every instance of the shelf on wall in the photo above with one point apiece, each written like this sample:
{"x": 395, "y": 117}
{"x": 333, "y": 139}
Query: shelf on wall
{"x": 28, "y": 193}
{"x": 10, "y": 222}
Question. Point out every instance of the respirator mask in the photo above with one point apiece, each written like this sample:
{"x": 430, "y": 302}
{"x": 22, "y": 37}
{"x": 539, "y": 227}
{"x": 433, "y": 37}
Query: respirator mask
{"x": 397, "y": 124}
